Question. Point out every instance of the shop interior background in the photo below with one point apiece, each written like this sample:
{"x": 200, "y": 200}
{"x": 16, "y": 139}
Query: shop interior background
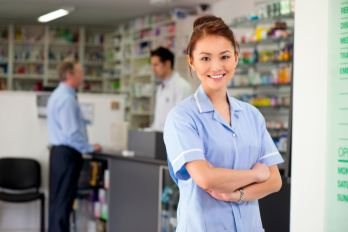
{"x": 23, "y": 134}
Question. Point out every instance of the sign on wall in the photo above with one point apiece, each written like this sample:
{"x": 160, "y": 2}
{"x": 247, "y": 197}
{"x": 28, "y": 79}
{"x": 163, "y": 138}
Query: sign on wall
{"x": 41, "y": 103}
{"x": 336, "y": 195}
{"x": 87, "y": 112}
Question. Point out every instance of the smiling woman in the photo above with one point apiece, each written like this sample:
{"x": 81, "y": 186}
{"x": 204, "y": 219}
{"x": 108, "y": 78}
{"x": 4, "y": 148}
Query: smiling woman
{"x": 219, "y": 151}
{"x": 215, "y": 32}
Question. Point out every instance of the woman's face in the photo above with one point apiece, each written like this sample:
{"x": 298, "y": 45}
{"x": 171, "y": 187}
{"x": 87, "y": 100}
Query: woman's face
{"x": 214, "y": 61}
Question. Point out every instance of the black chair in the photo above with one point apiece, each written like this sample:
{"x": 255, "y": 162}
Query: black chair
{"x": 22, "y": 174}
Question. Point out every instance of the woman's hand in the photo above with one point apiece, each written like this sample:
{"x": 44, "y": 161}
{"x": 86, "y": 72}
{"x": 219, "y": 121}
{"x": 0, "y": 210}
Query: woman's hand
{"x": 262, "y": 172}
{"x": 234, "y": 197}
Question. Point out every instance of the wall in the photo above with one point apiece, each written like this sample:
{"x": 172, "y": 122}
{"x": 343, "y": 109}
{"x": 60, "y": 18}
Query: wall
{"x": 309, "y": 116}
{"x": 23, "y": 134}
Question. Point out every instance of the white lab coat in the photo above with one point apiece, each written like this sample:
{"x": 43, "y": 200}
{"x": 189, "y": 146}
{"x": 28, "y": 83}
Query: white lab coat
{"x": 176, "y": 90}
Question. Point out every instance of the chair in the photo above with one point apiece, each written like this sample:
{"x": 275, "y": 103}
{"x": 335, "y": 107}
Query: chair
{"x": 22, "y": 174}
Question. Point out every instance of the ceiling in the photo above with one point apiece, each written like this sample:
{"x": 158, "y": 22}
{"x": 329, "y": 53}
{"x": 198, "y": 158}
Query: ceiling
{"x": 87, "y": 12}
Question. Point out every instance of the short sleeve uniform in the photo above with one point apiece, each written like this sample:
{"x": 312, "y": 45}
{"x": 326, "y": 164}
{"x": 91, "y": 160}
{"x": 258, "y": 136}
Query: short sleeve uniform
{"x": 194, "y": 130}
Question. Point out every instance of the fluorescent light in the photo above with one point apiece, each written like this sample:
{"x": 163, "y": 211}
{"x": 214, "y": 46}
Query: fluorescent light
{"x": 160, "y": 2}
{"x": 54, "y": 15}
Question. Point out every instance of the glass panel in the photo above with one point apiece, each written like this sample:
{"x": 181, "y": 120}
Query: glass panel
{"x": 169, "y": 200}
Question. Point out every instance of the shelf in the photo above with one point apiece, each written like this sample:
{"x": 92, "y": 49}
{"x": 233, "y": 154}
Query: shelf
{"x": 28, "y": 43}
{"x": 89, "y": 78}
{"x": 141, "y": 97}
{"x": 54, "y": 78}
{"x": 113, "y": 61}
{"x": 147, "y": 40}
{"x": 81, "y": 189}
{"x": 164, "y": 36}
{"x": 3, "y": 61}
{"x": 53, "y": 62}
{"x": 147, "y": 56}
{"x": 85, "y": 214}
{"x": 112, "y": 46}
{"x": 264, "y": 63}
{"x": 264, "y": 20}
{"x": 163, "y": 23}
{"x": 115, "y": 91}
{"x": 116, "y": 34}
{"x": 127, "y": 43}
{"x": 3, "y": 76}
{"x": 94, "y": 45}
{"x": 28, "y": 61}
{"x": 139, "y": 29}
{"x": 266, "y": 41}
{"x": 28, "y": 76}
{"x": 142, "y": 75}
{"x": 93, "y": 63}
{"x": 141, "y": 113}
{"x": 3, "y": 42}
{"x": 256, "y": 86}
{"x": 277, "y": 129}
{"x": 111, "y": 78}
{"x": 62, "y": 44}
{"x": 155, "y": 25}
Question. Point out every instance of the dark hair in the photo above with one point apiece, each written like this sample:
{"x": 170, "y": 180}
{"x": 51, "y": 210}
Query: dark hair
{"x": 65, "y": 67}
{"x": 210, "y": 25}
{"x": 164, "y": 54}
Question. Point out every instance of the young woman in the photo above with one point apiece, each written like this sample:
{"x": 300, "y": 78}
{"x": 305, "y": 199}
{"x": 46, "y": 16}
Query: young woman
{"x": 219, "y": 151}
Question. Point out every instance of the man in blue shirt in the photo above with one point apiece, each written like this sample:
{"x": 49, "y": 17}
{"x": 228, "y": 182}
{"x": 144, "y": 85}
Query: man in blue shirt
{"x": 68, "y": 137}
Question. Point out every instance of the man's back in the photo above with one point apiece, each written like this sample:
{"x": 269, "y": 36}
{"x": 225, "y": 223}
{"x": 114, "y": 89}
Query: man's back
{"x": 65, "y": 122}
{"x": 68, "y": 137}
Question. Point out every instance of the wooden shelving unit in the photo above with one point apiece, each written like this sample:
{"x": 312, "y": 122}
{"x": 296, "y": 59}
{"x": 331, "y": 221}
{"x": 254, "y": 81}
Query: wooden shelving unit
{"x": 124, "y": 55}
{"x": 271, "y": 113}
{"x": 20, "y": 45}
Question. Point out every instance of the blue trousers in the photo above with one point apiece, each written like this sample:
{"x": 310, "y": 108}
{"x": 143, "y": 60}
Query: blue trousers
{"x": 65, "y": 167}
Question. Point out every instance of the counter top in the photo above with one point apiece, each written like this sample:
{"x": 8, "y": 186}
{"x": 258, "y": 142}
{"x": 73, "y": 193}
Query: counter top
{"x": 118, "y": 155}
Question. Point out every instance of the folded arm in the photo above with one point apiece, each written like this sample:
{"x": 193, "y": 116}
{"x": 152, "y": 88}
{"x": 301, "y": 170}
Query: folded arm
{"x": 222, "y": 180}
{"x": 254, "y": 191}
{"x": 259, "y": 190}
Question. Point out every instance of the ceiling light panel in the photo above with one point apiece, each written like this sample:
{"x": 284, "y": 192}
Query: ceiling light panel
{"x": 55, "y": 14}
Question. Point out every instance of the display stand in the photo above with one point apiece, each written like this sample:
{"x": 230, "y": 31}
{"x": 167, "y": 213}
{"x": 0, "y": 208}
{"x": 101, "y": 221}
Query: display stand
{"x": 91, "y": 206}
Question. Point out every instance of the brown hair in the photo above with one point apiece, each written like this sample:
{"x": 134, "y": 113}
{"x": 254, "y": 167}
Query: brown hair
{"x": 210, "y": 25}
{"x": 65, "y": 67}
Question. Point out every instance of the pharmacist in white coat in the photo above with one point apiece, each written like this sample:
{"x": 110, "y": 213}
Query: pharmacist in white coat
{"x": 172, "y": 91}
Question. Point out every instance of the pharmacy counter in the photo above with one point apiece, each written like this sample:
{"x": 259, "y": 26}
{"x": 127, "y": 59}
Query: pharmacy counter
{"x": 135, "y": 186}
{"x": 117, "y": 155}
